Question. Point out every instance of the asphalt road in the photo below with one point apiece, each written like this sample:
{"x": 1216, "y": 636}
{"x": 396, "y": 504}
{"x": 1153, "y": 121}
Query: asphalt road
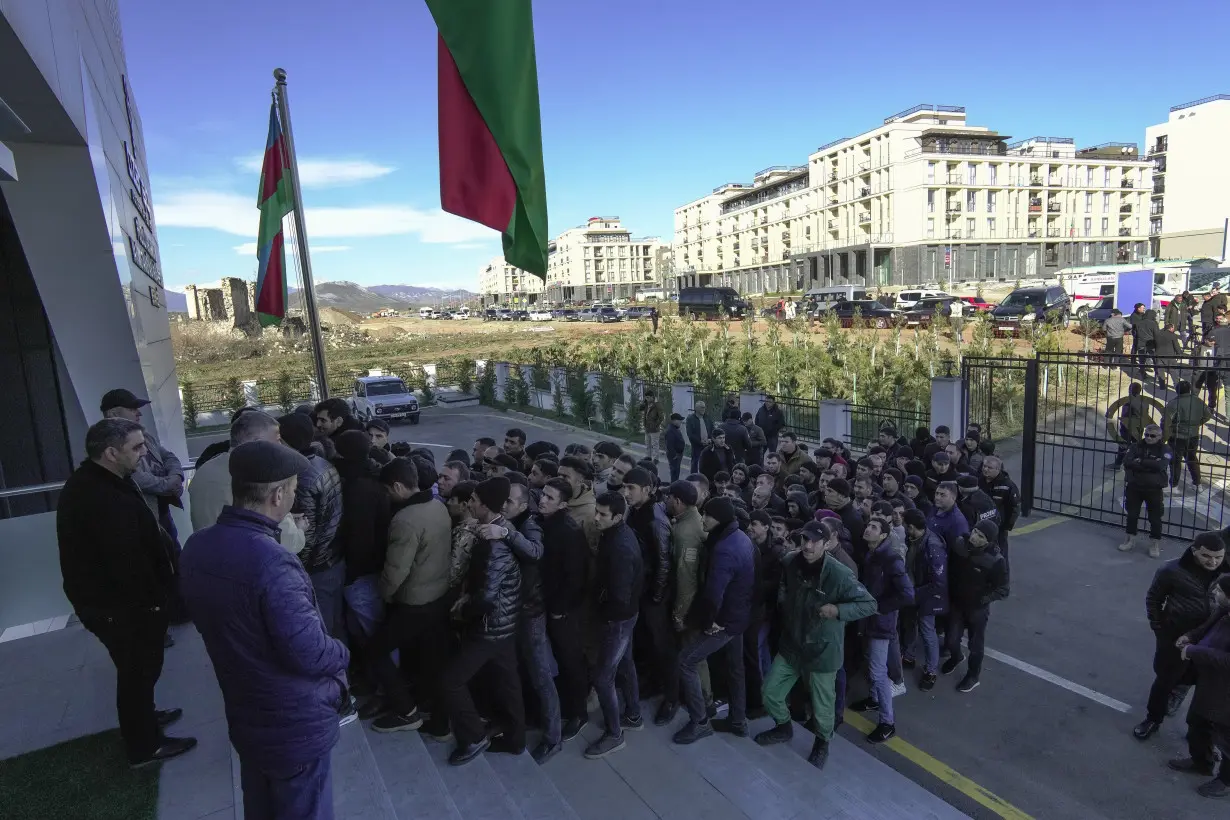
{"x": 1075, "y": 621}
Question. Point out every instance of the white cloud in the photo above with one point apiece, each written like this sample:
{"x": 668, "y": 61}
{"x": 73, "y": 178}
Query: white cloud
{"x": 249, "y": 249}
{"x": 324, "y": 173}
{"x": 237, "y": 215}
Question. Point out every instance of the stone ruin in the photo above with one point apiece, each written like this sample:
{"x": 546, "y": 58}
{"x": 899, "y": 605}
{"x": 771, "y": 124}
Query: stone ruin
{"x": 234, "y": 302}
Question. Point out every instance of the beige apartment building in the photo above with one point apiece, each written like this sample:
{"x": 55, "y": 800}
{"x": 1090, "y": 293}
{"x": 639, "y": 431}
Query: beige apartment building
{"x": 924, "y": 197}
{"x": 600, "y": 260}
{"x": 1190, "y": 194}
{"x": 503, "y": 284}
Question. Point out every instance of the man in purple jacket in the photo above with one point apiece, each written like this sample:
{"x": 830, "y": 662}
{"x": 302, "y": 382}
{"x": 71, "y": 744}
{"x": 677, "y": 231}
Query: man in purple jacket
{"x": 885, "y": 577}
{"x": 282, "y": 676}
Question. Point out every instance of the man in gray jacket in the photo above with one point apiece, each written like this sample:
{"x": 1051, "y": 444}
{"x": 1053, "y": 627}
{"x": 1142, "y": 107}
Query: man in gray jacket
{"x": 1116, "y": 328}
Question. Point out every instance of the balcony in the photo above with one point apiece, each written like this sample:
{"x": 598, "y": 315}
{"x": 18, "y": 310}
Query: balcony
{"x": 833, "y": 202}
{"x": 764, "y": 220}
{"x": 955, "y": 179}
{"x": 785, "y": 254}
{"x": 864, "y": 191}
{"x": 1157, "y": 210}
{"x": 864, "y": 219}
{"x": 954, "y": 234}
{"x": 953, "y": 207}
{"x": 832, "y": 176}
{"x": 832, "y": 224}
{"x": 1155, "y": 229}
{"x": 1035, "y": 181}
{"x": 1035, "y": 209}
{"x": 1127, "y": 183}
{"x": 736, "y": 246}
{"x": 1057, "y": 182}
{"x": 864, "y": 167}
{"x": 1159, "y": 188}
{"x": 1125, "y": 231}
{"x": 1054, "y": 233}
{"x": 1053, "y": 207}
{"x": 1125, "y": 209}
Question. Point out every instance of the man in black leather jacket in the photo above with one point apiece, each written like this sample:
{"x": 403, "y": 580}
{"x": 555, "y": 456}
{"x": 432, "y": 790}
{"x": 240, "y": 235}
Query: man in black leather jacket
{"x": 1176, "y": 603}
{"x": 489, "y": 611}
{"x": 1148, "y": 473}
{"x": 652, "y": 528}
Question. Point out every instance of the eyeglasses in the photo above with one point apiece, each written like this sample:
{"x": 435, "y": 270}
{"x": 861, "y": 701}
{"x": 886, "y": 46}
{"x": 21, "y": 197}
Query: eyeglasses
{"x": 1153, "y": 435}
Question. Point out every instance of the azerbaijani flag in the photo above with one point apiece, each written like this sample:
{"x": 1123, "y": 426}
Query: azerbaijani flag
{"x": 275, "y": 202}
{"x": 491, "y": 167}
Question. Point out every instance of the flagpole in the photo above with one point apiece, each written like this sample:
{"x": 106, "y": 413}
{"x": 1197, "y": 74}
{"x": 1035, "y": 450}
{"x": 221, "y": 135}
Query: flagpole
{"x": 309, "y": 292}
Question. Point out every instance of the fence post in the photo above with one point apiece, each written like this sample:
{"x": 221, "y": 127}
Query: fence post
{"x": 1029, "y": 437}
{"x": 947, "y": 400}
{"x": 501, "y": 379}
{"x": 429, "y": 375}
{"x": 750, "y": 402}
{"x": 251, "y": 397}
{"x": 681, "y": 398}
{"x": 835, "y": 419}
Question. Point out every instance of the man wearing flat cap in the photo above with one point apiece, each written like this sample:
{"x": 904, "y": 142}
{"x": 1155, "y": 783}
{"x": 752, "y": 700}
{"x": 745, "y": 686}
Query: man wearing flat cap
{"x": 282, "y": 676}
{"x": 159, "y": 475}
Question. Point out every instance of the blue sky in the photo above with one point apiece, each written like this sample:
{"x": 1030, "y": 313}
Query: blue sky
{"x": 646, "y": 105}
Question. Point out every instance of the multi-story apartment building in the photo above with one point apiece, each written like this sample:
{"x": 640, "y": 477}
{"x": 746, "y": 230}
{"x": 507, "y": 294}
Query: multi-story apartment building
{"x": 924, "y": 197}
{"x": 502, "y": 283}
{"x": 600, "y": 260}
{"x": 1190, "y": 195}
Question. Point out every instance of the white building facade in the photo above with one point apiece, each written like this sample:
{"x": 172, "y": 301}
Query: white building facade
{"x": 500, "y": 283}
{"x": 1190, "y": 194}
{"x": 600, "y": 260}
{"x": 82, "y": 304}
{"x": 924, "y": 197}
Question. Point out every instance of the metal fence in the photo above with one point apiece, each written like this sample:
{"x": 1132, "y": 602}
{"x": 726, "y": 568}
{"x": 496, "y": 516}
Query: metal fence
{"x": 866, "y": 422}
{"x": 1079, "y": 400}
{"x": 994, "y": 394}
{"x": 802, "y": 416}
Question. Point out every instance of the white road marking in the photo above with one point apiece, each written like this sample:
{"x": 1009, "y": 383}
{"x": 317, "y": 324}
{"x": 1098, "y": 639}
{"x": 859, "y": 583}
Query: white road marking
{"x": 1063, "y": 683}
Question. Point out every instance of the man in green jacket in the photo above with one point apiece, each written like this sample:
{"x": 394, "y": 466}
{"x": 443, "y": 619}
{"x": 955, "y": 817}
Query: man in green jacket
{"x": 652, "y": 420}
{"x": 819, "y": 596}
{"x": 688, "y": 560}
{"x": 1181, "y": 425}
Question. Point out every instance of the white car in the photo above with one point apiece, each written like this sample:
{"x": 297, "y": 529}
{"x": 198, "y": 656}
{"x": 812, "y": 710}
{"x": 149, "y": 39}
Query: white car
{"x": 383, "y": 397}
{"x": 906, "y": 299}
{"x": 540, "y": 315}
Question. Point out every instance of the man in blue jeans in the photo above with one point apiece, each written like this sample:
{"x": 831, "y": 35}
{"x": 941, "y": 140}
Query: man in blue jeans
{"x": 885, "y": 577}
{"x": 619, "y": 576}
{"x": 721, "y": 612}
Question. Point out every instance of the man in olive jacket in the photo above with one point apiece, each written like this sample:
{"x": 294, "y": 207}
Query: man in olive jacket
{"x": 1181, "y": 424}
{"x": 819, "y": 596}
{"x": 687, "y": 538}
{"x": 414, "y": 583}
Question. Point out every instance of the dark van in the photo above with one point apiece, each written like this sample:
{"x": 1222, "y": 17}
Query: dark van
{"x": 711, "y": 303}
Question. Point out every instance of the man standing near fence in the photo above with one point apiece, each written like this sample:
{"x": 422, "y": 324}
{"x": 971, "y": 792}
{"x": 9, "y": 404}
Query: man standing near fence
{"x": 700, "y": 430}
{"x": 772, "y": 420}
{"x": 1184, "y": 417}
{"x": 651, "y": 413}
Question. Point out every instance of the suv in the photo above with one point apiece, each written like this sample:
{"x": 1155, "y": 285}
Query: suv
{"x": 1039, "y": 304}
{"x": 710, "y": 303}
{"x": 906, "y": 299}
{"x": 383, "y": 397}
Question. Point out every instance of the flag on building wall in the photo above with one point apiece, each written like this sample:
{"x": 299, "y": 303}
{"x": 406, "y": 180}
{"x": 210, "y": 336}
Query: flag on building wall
{"x": 275, "y": 201}
{"x": 491, "y": 166}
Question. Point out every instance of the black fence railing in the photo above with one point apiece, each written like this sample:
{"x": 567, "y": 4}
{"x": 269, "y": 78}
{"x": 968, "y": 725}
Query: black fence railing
{"x": 802, "y": 416}
{"x": 866, "y": 421}
{"x": 995, "y": 394}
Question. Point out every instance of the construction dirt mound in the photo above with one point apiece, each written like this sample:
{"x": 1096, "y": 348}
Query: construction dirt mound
{"x": 335, "y": 316}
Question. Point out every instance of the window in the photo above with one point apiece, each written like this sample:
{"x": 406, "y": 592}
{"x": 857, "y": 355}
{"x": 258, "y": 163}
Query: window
{"x": 991, "y": 197}
{"x": 1088, "y": 225}
{"x": 1105, "y": 226}
{"x": 930, "y": 172}
{"x": 991, "y": 226}
{"x": 1088, "y": 203}
{"x": 1105, "y": 203}
{"x": 930, "y": 228}
{"x": 930, "y": 201}
{"x": 1106, "y": 177}
{"x": 971, "y": 200}
{"x": 994, "y": 172}
{"x": 973, "y": 174}
{"x": 992, "y": 261}
{"x": 969, "y": 225}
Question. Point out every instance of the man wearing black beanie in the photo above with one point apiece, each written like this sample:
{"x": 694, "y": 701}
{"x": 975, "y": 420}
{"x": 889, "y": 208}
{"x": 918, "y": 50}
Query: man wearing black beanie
{"x": 721, "y": 611}
{"x": 653, "y": 533}
{"x": 976, "y": 578}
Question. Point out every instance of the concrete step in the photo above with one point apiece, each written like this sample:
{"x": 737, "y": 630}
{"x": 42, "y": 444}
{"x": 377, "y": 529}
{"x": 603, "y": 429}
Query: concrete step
{"x": 475, "y": 791}
{"x": 409, "y": 774}
{"x": 530, "y": 789}
{"x": 359, "y": 790}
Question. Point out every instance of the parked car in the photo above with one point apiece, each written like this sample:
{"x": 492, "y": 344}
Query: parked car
{"x": 924, "y": 310}
{"x": 606, "y": 314}
{"x": 869, "y": 311}
{"x": 710, "y": 303}
{"x": 585, "y": 314}
{"x": 906, "y": 299}
{"x": 541, "y": 315}
{"x": 1035, "y": 304}
{"x": 383, "y": 397}
{"x": 1101, "y": 311}
{"x": 567, "y": 315}
{"x": 504, "y": 315}
{"x": 491, "y": 315}
{"x": 634, "y": 313}
{"x": 521, "y": 315}
{"x": 979, "y": 304}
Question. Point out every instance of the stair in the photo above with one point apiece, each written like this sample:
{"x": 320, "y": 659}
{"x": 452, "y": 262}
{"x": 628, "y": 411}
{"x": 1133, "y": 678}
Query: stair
{"x": 403, "y": 775}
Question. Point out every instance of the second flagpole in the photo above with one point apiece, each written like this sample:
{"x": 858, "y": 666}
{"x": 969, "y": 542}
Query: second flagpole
{"x": 309, "y": 291}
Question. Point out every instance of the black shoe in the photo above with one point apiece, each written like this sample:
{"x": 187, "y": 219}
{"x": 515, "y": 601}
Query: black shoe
{"x": 464, "y": 754}
{"x": 1189, "y": 766}
{"x": 866, "y": 705}
{"x": 1175, "y": 702}
{"x": 373, "y": 708}
{"x": 908, "y": 663}
{"x": 572, "y": 728}
{"x": 757, "y": 713}
{"x": 819, "y": 753}
{"x": 927, "y": 682}
{"x": 171, "y": 747}
{"x": 780, "y": 733}
{"x": 968, "y": 684}
{"x": 693, "y": 732}
{"x": 634, "y": 723}
{"x": 398, "y": 723}
{"x": 544, "y": 752}
{"x": 1146, "y": 729}
{"x": 501, "y": 744}
{"x": 1214, "y": 788}
{"x": 881, "y": 733}
{"x": 167, "y": 641}
{"x": 166, "y": 717}
{"x": 951, "y": 664}
{"x": 666, "y": 712}
{"x": 711, "y": 710}
{"x": 726, "y": 726}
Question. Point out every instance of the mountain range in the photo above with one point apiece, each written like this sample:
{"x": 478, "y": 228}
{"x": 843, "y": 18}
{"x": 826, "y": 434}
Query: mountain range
{"x": 358, "y": 299}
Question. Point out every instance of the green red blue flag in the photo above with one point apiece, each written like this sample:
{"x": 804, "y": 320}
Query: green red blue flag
{"x": 275, "y": 201}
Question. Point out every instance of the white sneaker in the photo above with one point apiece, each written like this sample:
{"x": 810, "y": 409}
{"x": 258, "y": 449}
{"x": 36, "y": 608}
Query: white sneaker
{"x": 899, "y": 689}
{"x": 1127, "y": 545}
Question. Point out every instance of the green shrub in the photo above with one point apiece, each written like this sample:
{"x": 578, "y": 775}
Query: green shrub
{"x": 486, "y": 383}
{"x": 190, "y": 404}
{"x": 235, "y": 399}
{"x": 610, "y": 390}
{"x": 286, "y": 392}
{"x": 581, "y": 395}
{"x": 465, "y": 375}
{"x": 634, "y": 412}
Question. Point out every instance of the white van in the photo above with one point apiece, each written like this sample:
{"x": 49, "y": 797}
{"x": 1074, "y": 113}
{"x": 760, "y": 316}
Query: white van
{"x": 908, "y": 298}
{"x": 427, "y": 313}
